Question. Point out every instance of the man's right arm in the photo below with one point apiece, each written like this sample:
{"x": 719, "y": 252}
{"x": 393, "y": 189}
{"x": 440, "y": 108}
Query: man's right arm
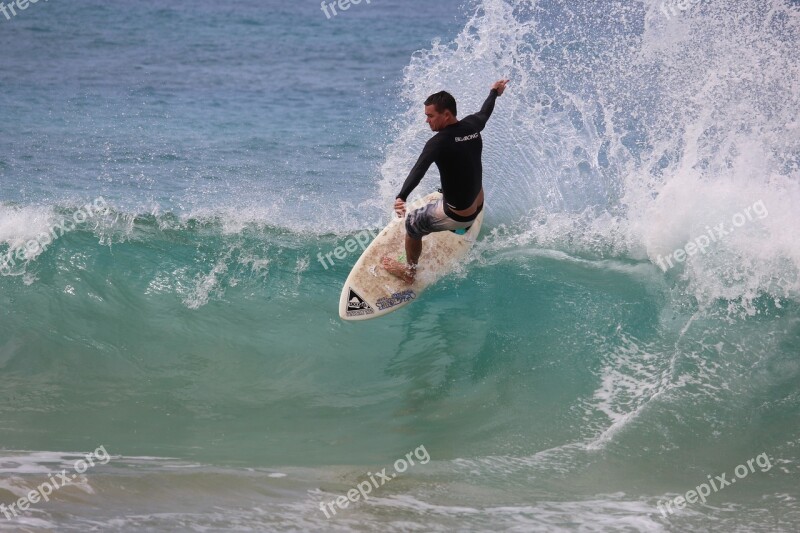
{"x": 426, "y": 159}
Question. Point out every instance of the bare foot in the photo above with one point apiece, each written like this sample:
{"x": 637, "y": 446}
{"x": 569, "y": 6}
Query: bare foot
{"x": 400, "y": 270}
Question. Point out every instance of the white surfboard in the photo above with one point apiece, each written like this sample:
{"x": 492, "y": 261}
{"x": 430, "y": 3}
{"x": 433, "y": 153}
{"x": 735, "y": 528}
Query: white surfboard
{"x": 370, "y": 291}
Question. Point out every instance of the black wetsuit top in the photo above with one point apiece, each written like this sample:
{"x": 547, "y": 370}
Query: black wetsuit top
{"x": 456, "y": 150}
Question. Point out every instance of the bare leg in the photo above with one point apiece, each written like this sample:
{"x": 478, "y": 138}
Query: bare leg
{"x": 413, "y": 251}
{"x": 408, "y": 271}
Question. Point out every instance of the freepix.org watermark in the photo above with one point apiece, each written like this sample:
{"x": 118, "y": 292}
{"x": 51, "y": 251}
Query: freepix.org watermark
{"x": 12, "y": 7}
{"x": 359, "y": 240}
{"x": 343, "y": 5}
{"x": 670, "y": 8}
{"x": 38, "y": 245}
{"x": 718, "y": 232}
{"x": 364, "y": 488}
{"x": 55, "y": 482}
{"x": 703, "y": 490}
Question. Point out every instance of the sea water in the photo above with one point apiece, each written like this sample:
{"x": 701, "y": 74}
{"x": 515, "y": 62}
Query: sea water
{"x": 625, "y": 332}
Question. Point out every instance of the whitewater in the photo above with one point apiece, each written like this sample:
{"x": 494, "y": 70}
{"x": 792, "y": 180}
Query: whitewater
{"x": 625, "y": 330}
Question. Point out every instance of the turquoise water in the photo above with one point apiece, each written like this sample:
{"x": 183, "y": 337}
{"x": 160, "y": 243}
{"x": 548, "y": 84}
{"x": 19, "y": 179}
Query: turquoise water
{"x": 559, "y": 380}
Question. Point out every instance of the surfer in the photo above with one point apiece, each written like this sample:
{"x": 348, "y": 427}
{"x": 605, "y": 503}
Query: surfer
{"x": 456, "y": 149}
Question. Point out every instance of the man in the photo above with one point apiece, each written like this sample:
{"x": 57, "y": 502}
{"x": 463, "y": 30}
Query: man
{"x": 456, "y": 150}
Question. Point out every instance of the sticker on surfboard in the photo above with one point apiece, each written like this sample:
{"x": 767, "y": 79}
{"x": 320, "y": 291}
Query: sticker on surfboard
{"x": 356, "y": 306}
{"x": 395, "y": 299}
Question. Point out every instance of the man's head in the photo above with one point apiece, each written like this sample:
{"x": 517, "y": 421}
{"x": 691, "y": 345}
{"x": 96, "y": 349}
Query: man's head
{"x": 440, "y": 108}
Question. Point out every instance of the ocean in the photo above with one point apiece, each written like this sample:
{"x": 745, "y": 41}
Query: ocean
{"x": 619, "y": 352}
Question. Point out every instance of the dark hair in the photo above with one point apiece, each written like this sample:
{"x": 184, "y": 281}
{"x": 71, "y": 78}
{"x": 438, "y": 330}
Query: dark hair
{"x": 442, "y": 100}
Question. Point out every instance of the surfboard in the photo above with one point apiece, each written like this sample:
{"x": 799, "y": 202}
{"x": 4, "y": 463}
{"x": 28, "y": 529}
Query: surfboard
{"x": 371, "y": 292}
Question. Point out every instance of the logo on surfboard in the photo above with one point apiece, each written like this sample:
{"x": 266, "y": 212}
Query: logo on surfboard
{"x": 356, "y": 306}
{"x": 395, "y": 299}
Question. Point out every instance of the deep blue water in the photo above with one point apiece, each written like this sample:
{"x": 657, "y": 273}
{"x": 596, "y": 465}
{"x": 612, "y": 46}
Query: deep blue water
{"x": 197, "y": 104}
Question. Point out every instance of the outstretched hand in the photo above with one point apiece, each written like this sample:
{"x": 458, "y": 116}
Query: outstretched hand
{"x": 500, "y": 85}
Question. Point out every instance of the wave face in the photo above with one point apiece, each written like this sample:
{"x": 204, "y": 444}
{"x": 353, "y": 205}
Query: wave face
{"x": 628, "y": 325}
{"x": 630, "y": 133}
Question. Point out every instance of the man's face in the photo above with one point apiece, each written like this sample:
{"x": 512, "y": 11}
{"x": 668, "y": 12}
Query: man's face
{"x": 437, "y": 121}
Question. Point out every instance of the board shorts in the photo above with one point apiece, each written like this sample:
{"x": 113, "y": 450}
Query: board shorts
{"x": 431, "y": 218}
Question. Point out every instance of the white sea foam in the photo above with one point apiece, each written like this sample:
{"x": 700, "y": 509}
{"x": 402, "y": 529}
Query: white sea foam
{"x": 19, "y": 224}
{"x": 625, "y": 133}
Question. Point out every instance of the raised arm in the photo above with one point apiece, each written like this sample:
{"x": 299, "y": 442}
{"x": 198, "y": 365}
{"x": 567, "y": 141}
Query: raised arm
{"x": 482, "y": 117}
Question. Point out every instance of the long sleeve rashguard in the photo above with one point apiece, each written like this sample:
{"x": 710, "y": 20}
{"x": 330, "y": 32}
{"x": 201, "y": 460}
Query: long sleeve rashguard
{"x": 456, "y": 150}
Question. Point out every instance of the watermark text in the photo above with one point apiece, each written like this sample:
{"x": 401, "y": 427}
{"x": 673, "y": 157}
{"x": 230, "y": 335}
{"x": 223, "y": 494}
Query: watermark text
{"x": 718, "y": 232}
{"x": 364, "y": 488}
{"x": 343, "y": 5}
{"x": 12, "y": 7}
{"x": 55, "y": 482}
{"x": 703, "y": 490}
{"x": 38, "y": 245}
